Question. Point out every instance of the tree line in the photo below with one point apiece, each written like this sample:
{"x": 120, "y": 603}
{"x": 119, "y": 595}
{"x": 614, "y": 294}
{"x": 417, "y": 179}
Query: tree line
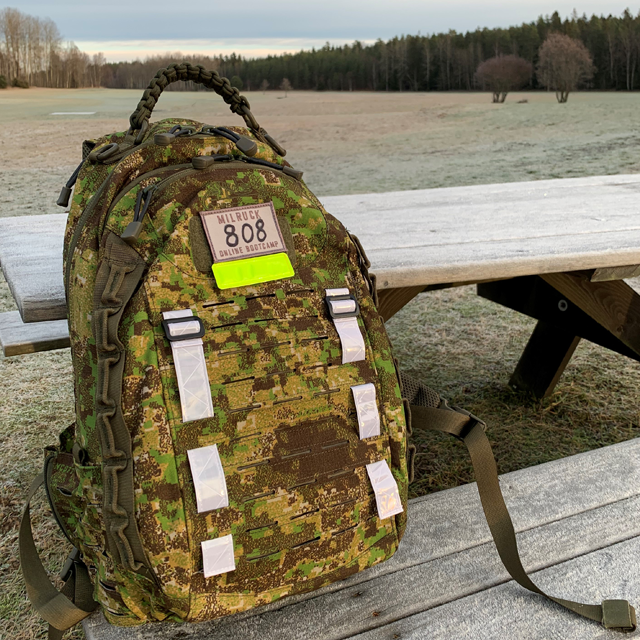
{"x": 31, "y": 50}
{"x": 32, "y": 53}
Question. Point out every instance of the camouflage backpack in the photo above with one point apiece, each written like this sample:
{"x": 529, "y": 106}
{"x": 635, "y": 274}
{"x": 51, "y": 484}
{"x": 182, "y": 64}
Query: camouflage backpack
{"x": 241, "y": 426}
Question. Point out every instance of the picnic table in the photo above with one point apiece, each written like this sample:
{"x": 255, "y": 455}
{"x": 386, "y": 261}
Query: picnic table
{"x": 556, "y": 250}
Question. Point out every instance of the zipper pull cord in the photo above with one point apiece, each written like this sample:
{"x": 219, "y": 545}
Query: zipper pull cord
{"x": 143, "y": 195}
{"x": 244, "y": 144}
{"x": 65, "y": 192}
{"x": 290, "y": 171}
{"x": 134, "y": 228}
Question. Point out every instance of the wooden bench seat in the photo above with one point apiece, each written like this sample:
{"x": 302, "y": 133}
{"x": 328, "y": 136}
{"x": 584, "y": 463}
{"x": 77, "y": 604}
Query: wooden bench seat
{"x": 579, "y": 524}
{"x": 18, "y": 337}
{"x": 31, "y": 260}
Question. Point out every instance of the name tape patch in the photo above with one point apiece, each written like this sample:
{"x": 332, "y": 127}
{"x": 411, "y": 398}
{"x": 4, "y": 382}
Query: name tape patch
{"x": 243, "y": 232}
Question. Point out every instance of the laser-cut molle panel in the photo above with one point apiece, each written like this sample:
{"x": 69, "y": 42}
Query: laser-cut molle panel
{"x": 301, "y": 508}
{"x": 303, "y": 547}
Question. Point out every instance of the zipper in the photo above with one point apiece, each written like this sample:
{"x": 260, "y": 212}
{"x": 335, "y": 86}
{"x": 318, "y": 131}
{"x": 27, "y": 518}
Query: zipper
{"x": 151, "y": 174}
{"x": 134, "y": 228}
{"x": 130, "y": 235}
{"x": 76, "y": 232}
{"x": 87, "y": 212}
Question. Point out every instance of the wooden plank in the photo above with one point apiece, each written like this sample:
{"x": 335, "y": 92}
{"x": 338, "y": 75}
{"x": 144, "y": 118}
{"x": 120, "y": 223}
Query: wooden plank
{"x": 615, "y": 273}
{"x": 614, "y": 305}
{"x": 390, "y": 301}
{"x": 453, "y": 235}
{"x": 544, "y": 359}
{"x": 18, "y": 338}
{"x": 563, "y": 509}
{"x": 492, "y": 231}
{"x": 31, "y": 259}
{"x": 507, "y": 611}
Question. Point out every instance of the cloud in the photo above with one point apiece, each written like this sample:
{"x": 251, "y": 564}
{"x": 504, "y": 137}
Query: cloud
{"x": 304, "y": 21}
{"x": 122, "y": 50}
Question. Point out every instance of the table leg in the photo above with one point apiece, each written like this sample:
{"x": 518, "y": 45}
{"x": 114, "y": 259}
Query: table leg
{"x": 390, "y": 301}
{"x": 568, "y": 307}
{"x": 544, "y": 359}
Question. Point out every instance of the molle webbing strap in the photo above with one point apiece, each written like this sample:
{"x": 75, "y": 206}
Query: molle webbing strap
{"x": 190, "y": 364}
{"x": 613, "y": 614}
{"x": 120, "y": 271}
{"x": 62, "y": 610}
{"x": 344, "y": 310}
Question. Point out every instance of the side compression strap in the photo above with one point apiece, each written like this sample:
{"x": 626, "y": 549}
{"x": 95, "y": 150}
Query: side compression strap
{"x": 57, "y": 608}
{"x": 613, "y": 614}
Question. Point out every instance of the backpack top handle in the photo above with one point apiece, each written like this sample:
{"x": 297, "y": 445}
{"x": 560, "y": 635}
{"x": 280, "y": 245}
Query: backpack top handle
{"x": 139, "y": 119}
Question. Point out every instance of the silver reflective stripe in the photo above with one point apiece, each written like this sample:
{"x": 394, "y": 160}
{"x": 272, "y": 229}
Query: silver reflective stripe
{"x": 217, "y": 556}
{"x": 386, "y": 489}
{"x": 351, "y": 340}
{"x": 191, "y": 371}
{"x": 208, "y": 478}
{"x": 364, "y": 396}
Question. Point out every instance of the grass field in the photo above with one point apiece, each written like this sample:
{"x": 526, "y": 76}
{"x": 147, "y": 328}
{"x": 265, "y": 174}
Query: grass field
{"x": 347, "y": 143}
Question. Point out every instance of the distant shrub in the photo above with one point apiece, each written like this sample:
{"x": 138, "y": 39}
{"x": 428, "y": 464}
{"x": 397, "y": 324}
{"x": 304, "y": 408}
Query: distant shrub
{"x": 564, "y": 64}
{"x": 285, "y": 86}
{"x": 503, "y": 74}
{"x": 19, "y": 83}
{"x": 236, "y": 81}
{"x": 3, "y": 82}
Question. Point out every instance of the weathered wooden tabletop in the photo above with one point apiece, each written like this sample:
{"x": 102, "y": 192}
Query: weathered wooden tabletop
{"x": 579, "y": 524}
{"x": 434, "y": 236}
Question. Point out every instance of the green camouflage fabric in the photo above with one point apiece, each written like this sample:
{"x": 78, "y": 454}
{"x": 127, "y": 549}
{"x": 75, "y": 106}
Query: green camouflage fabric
{"x": 302, "y": 511}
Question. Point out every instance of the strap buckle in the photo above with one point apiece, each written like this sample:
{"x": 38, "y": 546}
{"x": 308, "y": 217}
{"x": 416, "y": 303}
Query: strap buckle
{"x": 72, "y": 559}
{"x": 342, "y": 306}
{"x": 473, "y": 421}
{"x": 176, "y": 333}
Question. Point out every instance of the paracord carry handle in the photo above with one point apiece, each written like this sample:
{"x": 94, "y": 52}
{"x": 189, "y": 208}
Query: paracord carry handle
{"x": 139, "y": 119}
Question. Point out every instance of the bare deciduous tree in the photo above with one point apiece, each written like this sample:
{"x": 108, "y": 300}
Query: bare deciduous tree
{"x": 285, "y": 86}
{"x": 502, "y": 74}
{"x": 563, "y": 65}
{"x": 264, "y": 85}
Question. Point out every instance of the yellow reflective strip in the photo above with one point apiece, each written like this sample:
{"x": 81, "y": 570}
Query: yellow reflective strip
{"x": 239, "y": 273}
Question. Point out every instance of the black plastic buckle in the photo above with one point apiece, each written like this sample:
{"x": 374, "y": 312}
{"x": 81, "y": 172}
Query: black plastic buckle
{"x": 473, "y": 417}
{"x": 348, "y": 314}
{"x": 67, "y": 568}
{"x": 186, "y": 336}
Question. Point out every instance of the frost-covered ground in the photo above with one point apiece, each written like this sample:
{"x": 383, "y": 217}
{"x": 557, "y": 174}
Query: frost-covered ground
{"x": 344, "y": 142}
{"x": 462, "y": 345}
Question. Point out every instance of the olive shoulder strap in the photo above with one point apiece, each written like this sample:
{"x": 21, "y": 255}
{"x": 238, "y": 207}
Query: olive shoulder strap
{"x": 61, "y": 609}
{"x": 613, "y": 614}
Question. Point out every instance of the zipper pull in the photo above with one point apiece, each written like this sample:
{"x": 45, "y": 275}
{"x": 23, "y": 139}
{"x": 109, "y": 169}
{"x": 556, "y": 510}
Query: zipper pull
{"x": 65, "y": 193}
{"x": 244, "y": 144}
{"x": 134, "y": 228}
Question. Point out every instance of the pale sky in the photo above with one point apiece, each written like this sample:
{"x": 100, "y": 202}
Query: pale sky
{"x": 126, "y": 29}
